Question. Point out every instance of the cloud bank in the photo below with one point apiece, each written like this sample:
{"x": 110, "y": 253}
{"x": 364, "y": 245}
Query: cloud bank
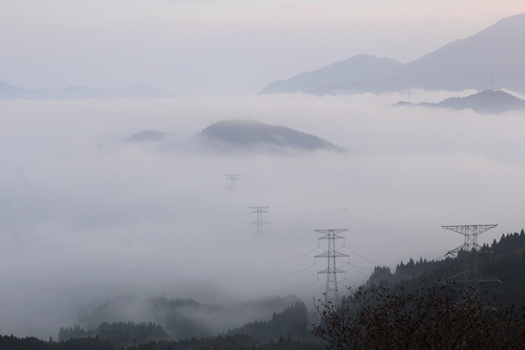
{"x": 86, "y": 215}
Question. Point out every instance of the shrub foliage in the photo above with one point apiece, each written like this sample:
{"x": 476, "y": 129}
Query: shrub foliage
{"x": 437, "y": 316}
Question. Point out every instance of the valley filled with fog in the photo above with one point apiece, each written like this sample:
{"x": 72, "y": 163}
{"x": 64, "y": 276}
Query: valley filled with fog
{"x": 90, "y": 214}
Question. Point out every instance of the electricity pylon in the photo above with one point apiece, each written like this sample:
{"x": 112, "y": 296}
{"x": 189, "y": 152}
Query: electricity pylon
{"x": 259, "y": 222}
{"x": 470, "y": 274}
{"x": 331, "y": 271}
{"x": 233, "y": 179}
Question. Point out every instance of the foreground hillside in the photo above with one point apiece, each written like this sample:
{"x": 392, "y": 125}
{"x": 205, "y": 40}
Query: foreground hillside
{"x": 503, "y": 260}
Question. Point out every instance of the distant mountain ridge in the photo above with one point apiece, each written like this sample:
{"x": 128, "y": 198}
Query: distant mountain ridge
{"x": 488, "y": 101}
{"x": 139, "y": 91}
{"x": 249, "y": 134}
{"x": 463, "y": 64}
{"x": 358, "y": 68}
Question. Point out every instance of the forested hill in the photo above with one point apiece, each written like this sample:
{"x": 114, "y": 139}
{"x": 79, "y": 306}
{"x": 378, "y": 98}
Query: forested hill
{"x": 503, "y": 259}
{"x": 291, "y": 323}
{"x": 288, "y": 329}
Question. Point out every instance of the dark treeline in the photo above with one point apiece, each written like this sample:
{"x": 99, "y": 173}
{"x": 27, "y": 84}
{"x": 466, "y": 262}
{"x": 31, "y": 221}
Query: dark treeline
{"x": 227, "y": 342}
{"x": 122, "y": 333}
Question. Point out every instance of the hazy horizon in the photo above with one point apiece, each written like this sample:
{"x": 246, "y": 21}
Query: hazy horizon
{"x": 224, "y": 47}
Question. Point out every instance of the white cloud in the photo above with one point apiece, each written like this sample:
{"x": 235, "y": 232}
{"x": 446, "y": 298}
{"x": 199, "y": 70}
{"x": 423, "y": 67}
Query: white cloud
{"x": 82, "y": 223}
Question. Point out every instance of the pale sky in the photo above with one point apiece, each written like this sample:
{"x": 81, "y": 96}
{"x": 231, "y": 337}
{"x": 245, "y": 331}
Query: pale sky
{"x": 97, "y": 12}
{"x": 219, "y": 47}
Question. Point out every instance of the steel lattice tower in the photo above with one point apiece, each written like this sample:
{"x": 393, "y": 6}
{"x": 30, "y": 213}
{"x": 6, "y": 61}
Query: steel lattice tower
{"x": 233, "y": 179}
{"x": 331, "y": 271}
{"x": 259, "y": 222}
{"x": 470, "y": 274}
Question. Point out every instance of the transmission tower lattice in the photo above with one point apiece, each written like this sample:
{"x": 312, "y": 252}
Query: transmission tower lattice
{"x": 331, "y": 271}
{"x": 233, "y": 180}
{"x": 259, "y": 222}
{"x": 470, "y": 274}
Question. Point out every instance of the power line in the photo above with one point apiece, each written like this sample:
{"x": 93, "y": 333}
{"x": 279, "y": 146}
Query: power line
{"x": 292, "y": 256}
{"x": 308, "y": 268}
{"x": 347, "y": 263}
{"x": 304, "y": 285}
{"x": 403, "y": 241}
{"x": 362, "y": 257}
{"x": 298, "y": 255}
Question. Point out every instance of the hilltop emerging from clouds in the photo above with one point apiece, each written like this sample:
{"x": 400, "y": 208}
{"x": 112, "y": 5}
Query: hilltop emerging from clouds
{"x": 488, "y": 101}
{"x": 250, "y": 134}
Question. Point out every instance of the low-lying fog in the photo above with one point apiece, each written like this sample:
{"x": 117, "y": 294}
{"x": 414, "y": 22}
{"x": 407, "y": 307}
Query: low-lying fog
{"x": 86, "y": 215}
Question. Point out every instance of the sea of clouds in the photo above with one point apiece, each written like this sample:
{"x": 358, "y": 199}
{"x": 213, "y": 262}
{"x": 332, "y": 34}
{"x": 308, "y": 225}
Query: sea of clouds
{"x": 86, "y": 215}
